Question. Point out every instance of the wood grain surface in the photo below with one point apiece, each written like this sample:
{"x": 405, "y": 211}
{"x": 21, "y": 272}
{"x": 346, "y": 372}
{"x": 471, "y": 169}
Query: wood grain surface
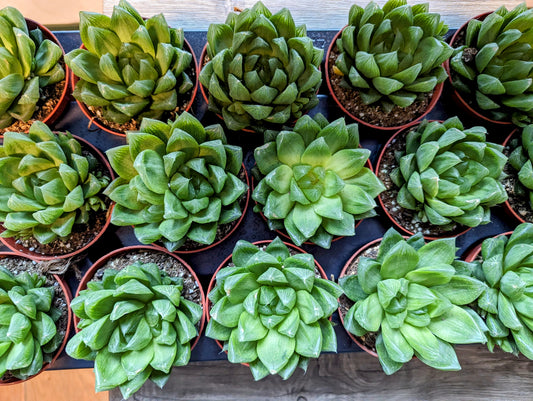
{"x": 194, "y": 15}
{"x": 353, "y": 377}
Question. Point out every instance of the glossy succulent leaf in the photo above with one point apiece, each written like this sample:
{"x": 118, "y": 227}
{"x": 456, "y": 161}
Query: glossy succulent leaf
{"x": 177, "y": 181}
{"x": 130, "y": 68}
{"x": 450, "y": 175}
{"x": 29, "y": 63}
{"x": 493, "y": 67}
{"x": 392, "y": 55}
{"x": 28, "y": 321}
{"x": 408, "y": 297}
{"x": 271, "y": 310}
{"x": 313, "y": 180}
{"x": 521, "y": 159}
{"x": 507, "y": 303}
{"x": 47, "y": 184}
{"x": 260, "y": 69}
{"x": 135, "y": 324}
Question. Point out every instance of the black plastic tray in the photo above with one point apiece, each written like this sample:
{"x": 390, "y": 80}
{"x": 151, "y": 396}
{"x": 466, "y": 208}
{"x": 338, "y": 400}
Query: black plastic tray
{"x": 253, "y": 227}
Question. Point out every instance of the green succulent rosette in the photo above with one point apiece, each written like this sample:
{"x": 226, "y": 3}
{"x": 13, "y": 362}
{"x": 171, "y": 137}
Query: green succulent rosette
{"x": 521, "y": 159}
{"x": 29, "y": 336}
{"x": 412, "y": 298}
{"x": 48, "y": 185}
{"x": 271, "y": 310}
{"x": 176, "y": 181}
{"x": 448, "y": 174}
{"x": 131, "y": 68}
{"x": 313, "y": 181}
{"x": 262, "y": 69}
{"x": 506, "y": 305}
{"x": 29, "y": 63}
{"x": 393, "y": 55}
{"x": 493, "y": 66}
{"x": 135, "y": 324}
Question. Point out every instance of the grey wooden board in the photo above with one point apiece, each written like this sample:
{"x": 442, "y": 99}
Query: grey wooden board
{"x": 352, "y": 377}
{"x": 324, "y": 14}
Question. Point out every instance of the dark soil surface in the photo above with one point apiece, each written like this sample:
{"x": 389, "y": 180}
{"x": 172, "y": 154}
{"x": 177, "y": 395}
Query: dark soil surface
{"x": 373, "y": 113}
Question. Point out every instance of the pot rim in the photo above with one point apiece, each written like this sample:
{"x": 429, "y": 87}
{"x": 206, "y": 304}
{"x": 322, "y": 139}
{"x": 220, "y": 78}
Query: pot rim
{"x": 382, "y": 204}
{"x": 68, "y": 298}
{"x": 23, "y": 251}
{"x": 474, "y": 251}
{"x": 96, "y": 121}
{"x": 104, "y": 259}
{"x": 437, "y": 92}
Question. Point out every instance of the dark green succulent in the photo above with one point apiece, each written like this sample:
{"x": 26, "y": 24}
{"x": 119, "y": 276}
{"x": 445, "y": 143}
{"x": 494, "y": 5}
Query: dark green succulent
{"x": 130, "y": 68}
{"x": 271, "y": 310}
{"x": 136, "y": 325}
{"x": 412, "y": 297}
{"x": 28, "y": 324}
{"x": 494, "y": 66}
{"x": 392, "y": 55}
{"x": 313, "y": 181}
{"x": 448, "y": 174}
{"x": 262, "y": 68}
{"x": 28, "y": 63}
{"x": 177, "y": 181}
{"x": 521, "y": 159}
{"x": 506, "y": 305}
{"x": 47, "y": 184}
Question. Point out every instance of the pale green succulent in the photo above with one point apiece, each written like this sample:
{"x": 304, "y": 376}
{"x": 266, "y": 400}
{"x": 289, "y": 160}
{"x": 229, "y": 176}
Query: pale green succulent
{"x": 271, "y": 311}
{"x": 28, "y": 324}
{"x": 521, "y": 159}
{"x": 262, "y": 68}
{"x": 47, "y": 185}
{"x": 448, "y": 174}
{"x": 130, "y": 68}
{"x": 494, "y": 66}
{"x": 392, "y": 55}
{"x": 314, "y": 182}
{"x": 412, "y": 296}
{"x": 28, "y": 63}
{"x": 136, "y": 325}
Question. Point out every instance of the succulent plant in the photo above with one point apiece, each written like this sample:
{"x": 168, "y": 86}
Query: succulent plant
{"x": 506, "y": 305}
{"x": 28, "y": 330}
{"x": 47, "y": 185}
{"x": 136, "y": 325}
{"x": 176, "y": 181}
{"x": 449, "y": 174}
{"x": 271, "y": 310}
{"x": 411, "y": 297}
{"x": 521, "y": 159}
{"x": 392, "y": 55}
{"x": 130, "y": 68}
{"x": 493, "y": 67}
{"x": 262, "y": 68}
{"x": 313, "y": 180}
{"x": 29, "y": 63}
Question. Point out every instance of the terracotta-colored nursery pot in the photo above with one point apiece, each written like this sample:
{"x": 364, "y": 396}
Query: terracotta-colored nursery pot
{"x": 68, "y": 298}
{"x": 226, "y": 261}
{"x": 475, "y": 251}
{"x": 12, "y": 244}
{"x": 435, "y": 98}
{"x": 457, "y": 97}
{"x": 284, "y": 234}
{"x": 508, "y": 208}
{"x": 239, "y": 221}
{"x": 94, "y": 120}
{"x": 103, "y": 260}
{"x": 455, "y": 233}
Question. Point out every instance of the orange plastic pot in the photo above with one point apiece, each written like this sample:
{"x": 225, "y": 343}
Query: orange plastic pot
{"x": 475, "y": 251}
{"x": 94, "y": 120}
{"x": 68, "y": 298}
{"x": 437, "y": 92}
{"x": 12, "y": 244}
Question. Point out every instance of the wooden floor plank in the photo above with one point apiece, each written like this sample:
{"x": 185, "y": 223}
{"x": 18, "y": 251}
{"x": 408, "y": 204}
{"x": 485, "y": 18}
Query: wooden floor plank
{"x": 353, "y": 377}
{"x": 12, "y": 393}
